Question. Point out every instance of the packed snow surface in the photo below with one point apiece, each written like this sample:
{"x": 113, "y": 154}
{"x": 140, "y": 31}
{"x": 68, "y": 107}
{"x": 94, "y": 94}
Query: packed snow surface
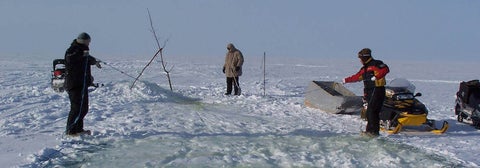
{"x": 197, "y": 125}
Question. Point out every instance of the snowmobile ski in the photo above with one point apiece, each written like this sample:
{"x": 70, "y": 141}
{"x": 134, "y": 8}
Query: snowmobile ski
{"x": 429, "y": 128}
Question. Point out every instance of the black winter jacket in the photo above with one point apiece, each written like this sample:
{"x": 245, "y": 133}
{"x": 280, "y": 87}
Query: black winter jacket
{"x": 77, "y": 68}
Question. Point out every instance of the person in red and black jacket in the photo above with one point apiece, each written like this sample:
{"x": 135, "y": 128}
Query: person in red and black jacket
{"x": 373, "y": 75}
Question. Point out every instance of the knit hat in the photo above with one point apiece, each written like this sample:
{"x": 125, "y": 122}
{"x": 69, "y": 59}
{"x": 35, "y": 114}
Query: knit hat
{"x": 83, "y": 38}
{"x": 366, "y": 52}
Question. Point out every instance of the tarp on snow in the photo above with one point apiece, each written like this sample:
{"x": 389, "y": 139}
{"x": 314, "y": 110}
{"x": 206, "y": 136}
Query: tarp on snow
{"x": 332, "y": 97}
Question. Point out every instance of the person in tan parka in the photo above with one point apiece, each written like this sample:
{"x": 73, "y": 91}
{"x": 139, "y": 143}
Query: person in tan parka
{"x": 233, "y": 69}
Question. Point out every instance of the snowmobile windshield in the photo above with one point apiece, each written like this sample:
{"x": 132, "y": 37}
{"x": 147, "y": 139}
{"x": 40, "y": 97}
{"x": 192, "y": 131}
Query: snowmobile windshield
{"x": 403, "y": 96}
{"x": 401, "y": 83}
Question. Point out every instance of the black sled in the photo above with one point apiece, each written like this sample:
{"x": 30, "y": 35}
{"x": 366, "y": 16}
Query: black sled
{"x": 467, "y": 103}
{"x": 401, "y": 108}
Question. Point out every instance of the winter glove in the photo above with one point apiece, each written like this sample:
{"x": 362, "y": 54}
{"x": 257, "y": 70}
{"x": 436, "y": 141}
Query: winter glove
{"x": 365, "y": 105}
{"x": 373, "y": 78}
{"x": 237, "y": 68}
{"x": 343, "y": 81}
{"x": 98, "y": 64}
{"x": 92, "y": 79}
{"x": 223, "y": 70}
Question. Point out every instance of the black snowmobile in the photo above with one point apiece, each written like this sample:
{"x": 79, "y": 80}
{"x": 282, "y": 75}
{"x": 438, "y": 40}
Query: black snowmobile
{"x": 467, "y": 106}
{"x": 401, "y": 108}
{"x": 58, "y": 75}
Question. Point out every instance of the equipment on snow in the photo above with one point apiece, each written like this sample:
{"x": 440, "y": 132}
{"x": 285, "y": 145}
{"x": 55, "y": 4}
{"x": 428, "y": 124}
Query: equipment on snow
{"x": 467, "y": 103}
{"x": 332, "y": 97}
{"x": 401, "y": 108}
{"x": 58, "y": 75}
{"x": 239, "y": 90}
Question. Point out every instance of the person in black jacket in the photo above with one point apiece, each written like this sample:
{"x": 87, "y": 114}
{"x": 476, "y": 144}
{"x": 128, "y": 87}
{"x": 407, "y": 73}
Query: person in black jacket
{"x": 78, "y": 79}
{"x": 373, "y": 75}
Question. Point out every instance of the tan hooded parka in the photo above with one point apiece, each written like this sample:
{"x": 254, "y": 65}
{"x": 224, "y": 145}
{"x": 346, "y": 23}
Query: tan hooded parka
{"x": 233, "y": 59}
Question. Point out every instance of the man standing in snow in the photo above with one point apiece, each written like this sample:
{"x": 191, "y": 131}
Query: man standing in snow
{"x": 233, "y": 69}
{"x": 373, "y": 75}
{"x": 77, "y": 81}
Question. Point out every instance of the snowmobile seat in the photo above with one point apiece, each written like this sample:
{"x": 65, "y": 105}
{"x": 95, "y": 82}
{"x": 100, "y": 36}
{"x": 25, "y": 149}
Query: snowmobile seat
{"x": 58, "y": 61}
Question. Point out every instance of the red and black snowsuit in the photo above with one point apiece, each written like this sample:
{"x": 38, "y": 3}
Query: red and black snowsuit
{"x": 77, "y": 81}
{"x": 374, "y": 90}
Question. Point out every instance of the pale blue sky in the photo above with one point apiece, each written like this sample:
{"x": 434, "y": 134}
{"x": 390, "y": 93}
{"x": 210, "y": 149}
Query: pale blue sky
{"x": 410, "y": 29}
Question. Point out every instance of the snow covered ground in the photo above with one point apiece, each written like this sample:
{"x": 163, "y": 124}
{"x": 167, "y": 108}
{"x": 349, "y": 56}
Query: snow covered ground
{"x": 149, "y": 126}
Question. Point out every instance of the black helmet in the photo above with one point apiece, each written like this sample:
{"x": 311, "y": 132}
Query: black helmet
{"x": 366, "y": 52}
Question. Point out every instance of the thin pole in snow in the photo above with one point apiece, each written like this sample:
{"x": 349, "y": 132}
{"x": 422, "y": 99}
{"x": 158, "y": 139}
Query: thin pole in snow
{"x": 264, "y": 72}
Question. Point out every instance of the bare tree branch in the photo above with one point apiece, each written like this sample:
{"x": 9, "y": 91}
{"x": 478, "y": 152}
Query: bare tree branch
{"x": 162, "y": 60}
{"x": 159, "y": 51}
{"x": 148, "y": 64}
